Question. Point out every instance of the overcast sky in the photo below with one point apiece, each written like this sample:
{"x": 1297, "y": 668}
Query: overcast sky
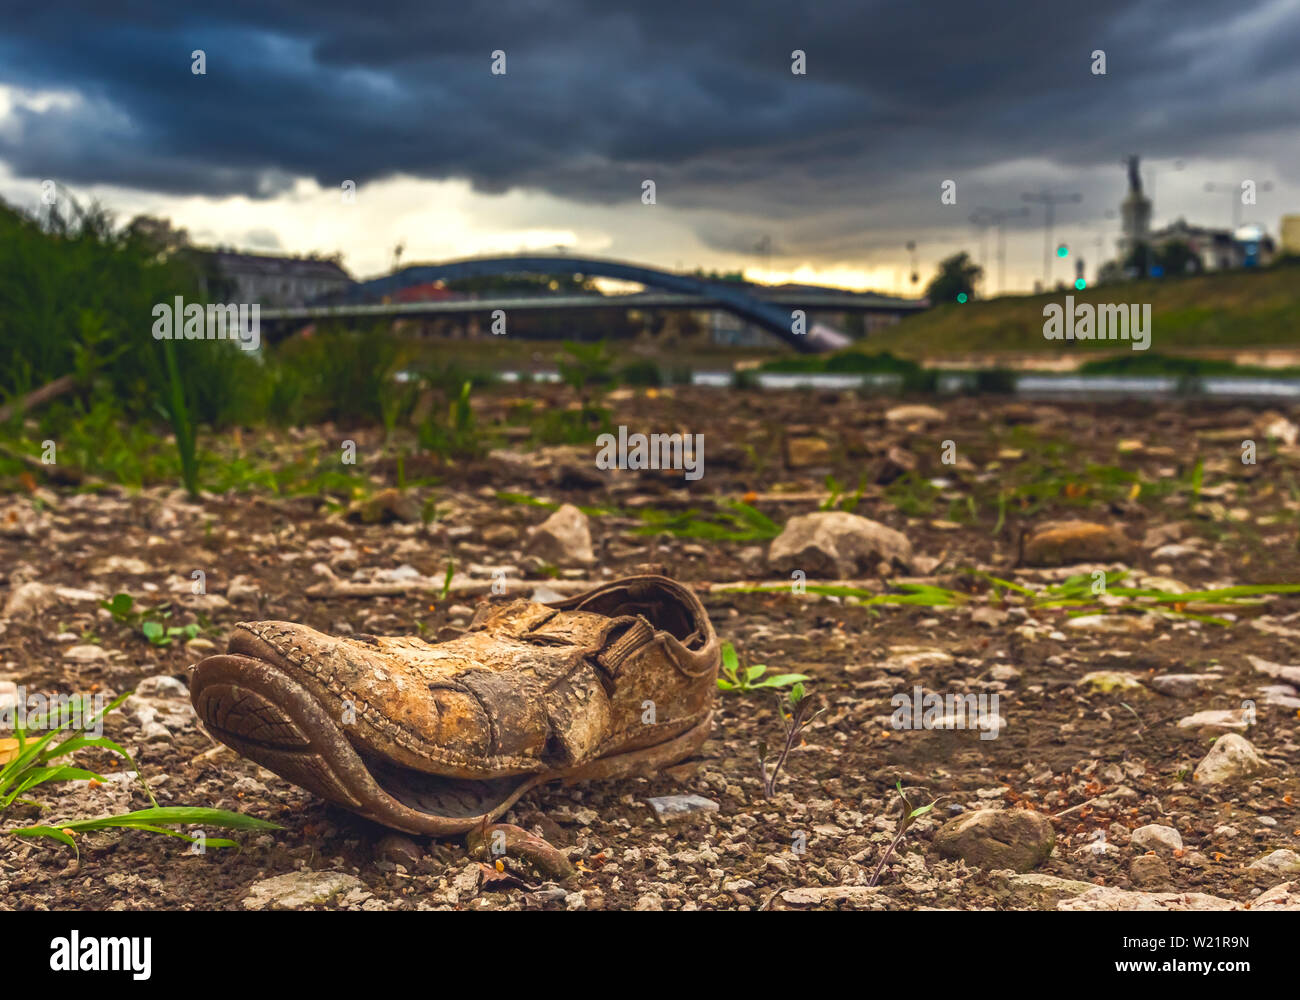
{"x": 838, "y": 167}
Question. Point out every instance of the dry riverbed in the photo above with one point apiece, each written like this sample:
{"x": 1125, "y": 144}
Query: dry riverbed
{"x": 1096, "y": 791}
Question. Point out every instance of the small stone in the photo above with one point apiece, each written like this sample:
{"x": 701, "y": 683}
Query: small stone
{"x": 466, "y": 881}
{"x": 1112, "y": 624}
{"x": 802, "y": 452}
{"x": 161, "y": 686}
{"x": 242, "y": 591}
{"x": 1231, "y": 758}
{"x": 915, "y": 413}
{"x": 121, "y": 566}
{"x": 992, "y": 617}
{"x": 386, "y": 506}
{"x": 1215, "y": 721}
{"x": 399, "y": 850}
{"x": 897, "y": 464}
{"x": 500, "y": 535}
{"x": 298, "y": 889}
{"x": 998, "y": 838}
{"x": 669, "y": 808}
{"x": 1154, "y": 837}
{"x": 1281, "y": 671}
{"x": 1063, "y": 543}
{"x": 29, "y": 599}
{"x": 85, "y": 654}
{"x": 1110, "y": 682}
{"x": 650, "y": 901}
{"x": 911, "y": 660}
{"x": 1179, "y": 685}
{"x": 1149, "y": 871}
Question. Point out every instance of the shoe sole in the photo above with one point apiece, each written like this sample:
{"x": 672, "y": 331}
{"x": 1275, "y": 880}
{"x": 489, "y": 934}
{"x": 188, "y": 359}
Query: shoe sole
{"x": 266, "y": 716}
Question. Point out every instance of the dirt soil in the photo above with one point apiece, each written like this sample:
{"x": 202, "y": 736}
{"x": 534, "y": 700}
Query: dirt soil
{"x": 1098, "y": 762}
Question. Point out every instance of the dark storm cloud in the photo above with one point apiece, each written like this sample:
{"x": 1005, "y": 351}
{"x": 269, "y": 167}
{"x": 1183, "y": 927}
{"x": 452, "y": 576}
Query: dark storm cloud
{"x": 696, "y": 95}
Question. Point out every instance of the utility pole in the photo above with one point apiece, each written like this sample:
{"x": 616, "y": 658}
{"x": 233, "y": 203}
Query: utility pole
{"x": 1049, "y": 202}
{"x": 982, "y": 222}
{"x": 764, "y": 246}
{"x": 1101, "y": 241}
{"x": 1151, "y": 185}
{"x": 999, "y": 217}
{"x": 1235, "y": 191}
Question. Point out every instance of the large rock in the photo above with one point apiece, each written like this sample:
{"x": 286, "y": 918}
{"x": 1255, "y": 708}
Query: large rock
{"x": 1231, "y": 758}
{"x": 1281, "y": 897}
{"x": 1042, "y": 892}
{"x": 1112, "y": 899}
{"x": 563, "y": 539}
{"x": 1018, "y": 839}
{"x": 813, "y": 896}
{"x": 1283, "y": 861}
{"x": 836, "y": 544}
{"x": 1062, "y": 543}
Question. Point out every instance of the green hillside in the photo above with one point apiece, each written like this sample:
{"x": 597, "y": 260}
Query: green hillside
{"x": 1232, "y": 310}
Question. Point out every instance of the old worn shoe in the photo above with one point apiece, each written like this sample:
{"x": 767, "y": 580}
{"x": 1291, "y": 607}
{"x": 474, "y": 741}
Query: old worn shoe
{"x": 435, "y": 737}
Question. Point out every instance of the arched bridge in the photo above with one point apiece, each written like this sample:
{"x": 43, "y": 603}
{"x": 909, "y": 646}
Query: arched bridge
{"x": 770, "y": 316}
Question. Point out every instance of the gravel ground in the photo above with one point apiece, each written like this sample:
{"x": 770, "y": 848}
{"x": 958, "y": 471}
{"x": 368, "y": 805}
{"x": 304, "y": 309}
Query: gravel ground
{"x": 1094, "y": 792}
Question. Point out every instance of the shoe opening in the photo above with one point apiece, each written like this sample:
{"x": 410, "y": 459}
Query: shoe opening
{"x": 665, "y": 605}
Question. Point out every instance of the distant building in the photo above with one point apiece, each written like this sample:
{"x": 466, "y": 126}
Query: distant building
{"x": 272, "y": 281}
{"x": 1291, "y": 234}
{"x": 1218, "y": 249}
{"x": 430, "y": 291}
